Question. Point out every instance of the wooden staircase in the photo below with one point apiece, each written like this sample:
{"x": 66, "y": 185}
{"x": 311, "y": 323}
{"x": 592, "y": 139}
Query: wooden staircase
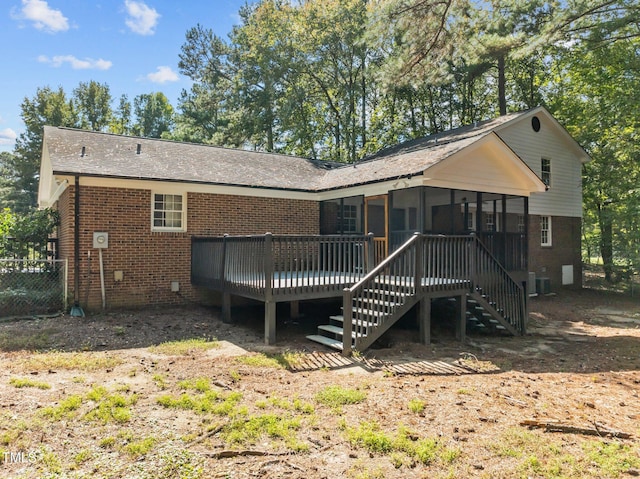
{"x": 434, "y": 266}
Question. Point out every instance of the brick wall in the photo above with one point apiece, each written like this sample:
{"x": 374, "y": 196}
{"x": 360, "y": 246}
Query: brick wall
{"x": 565, "y": 249}
{"x": 150, "y": 261}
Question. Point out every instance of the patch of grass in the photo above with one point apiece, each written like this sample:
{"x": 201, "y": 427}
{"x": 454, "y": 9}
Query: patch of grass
{"x": 140, "y": 447}
{"x": 369, "y": 435}
{"x": 287, "y": 405}
{"x": 612, "y": 459}
{"x": 235, "y": 376}
{"x": 181, "y": 464}
{"x": 160, "y": 381}
{"x": 417, "y": 406}
{"x": 28, "y": 383}
{"x": 51, "y": 461}
{"x": 81, "y": 457}
{"x": 65, "y": 409}
{"x": 209, "y": 402}
{"x": 24, "y": 342}
{"x": 261, "y": 360}
{"x": 198, "y": 384}
{"x": 82, "y": 361}
{"x": 110, "y": 407}
{"x": 107, "y": 442}
{"x": 337, "y": 396}
{"x": 241, "y": 431}
{"x": 184, "y": 347}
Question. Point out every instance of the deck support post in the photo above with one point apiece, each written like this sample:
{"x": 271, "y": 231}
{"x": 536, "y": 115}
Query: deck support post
{"x": 461, "y": 317}
{"x": 294, "y": 309}
{"x": 269, "y": 322}
{"x": 424, "y": 320}
{"x": 269, "y": 304}
{"x": 226, "y": 308}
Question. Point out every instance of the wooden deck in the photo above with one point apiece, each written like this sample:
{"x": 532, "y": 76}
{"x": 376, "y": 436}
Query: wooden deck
{"x": 275, "y": 269}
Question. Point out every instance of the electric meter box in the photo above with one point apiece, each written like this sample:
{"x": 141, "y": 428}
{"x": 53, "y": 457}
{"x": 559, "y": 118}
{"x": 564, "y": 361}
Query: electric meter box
{"x": 100, "y": 240}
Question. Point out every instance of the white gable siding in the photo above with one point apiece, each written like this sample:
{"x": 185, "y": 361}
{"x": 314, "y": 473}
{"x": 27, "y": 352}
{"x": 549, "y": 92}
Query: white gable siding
{"x": 564, "y": 198}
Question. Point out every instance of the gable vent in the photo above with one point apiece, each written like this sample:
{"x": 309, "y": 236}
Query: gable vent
{"x": 138, "y": 149}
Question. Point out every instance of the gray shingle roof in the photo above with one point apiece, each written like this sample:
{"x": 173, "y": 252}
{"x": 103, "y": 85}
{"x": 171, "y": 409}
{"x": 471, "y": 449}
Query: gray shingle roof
{"x": 116, "y": 156}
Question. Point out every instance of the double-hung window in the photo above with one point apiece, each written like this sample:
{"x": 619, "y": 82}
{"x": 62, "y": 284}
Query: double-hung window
{"x": 168, "y": 212}
{"x": 545, "y": 168}
{"x": 545, "y": 231}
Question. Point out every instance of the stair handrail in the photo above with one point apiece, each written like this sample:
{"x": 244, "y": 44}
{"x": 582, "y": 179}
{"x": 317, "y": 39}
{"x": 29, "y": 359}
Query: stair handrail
{"x": 349, "y": 293}
{"x": 518, "y": 323}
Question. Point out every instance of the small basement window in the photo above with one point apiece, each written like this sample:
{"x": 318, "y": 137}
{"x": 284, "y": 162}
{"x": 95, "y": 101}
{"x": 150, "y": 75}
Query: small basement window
{"x": 168, "y": 212}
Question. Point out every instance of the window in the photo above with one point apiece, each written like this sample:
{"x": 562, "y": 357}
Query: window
{"x": 521, "y": 224}
{"x": 349, "y": 219}
{"x": 490, "y": 222}
{"x": 471, "y": 224}
{"x": 168, "y": 212}
{"x": 545, "y": 231}
{"x": 546, "y": 172}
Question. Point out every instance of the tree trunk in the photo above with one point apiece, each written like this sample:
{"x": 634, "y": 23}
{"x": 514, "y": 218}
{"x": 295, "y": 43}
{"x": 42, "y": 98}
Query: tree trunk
{"x": 606, "y": 242}
{"x": 502, "y": 94}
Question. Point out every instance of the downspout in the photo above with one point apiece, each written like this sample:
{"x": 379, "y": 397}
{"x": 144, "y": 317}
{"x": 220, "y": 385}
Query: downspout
{"x": 76, "y": 310}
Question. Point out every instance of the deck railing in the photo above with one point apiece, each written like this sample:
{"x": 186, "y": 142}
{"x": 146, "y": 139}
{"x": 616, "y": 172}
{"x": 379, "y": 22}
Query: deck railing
{"x": 498, "y": 291}
{"x": 428, "y": 264}
{"x": 277, "y": 266}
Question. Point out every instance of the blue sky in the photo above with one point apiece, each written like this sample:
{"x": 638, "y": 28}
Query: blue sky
{"x": 131, "y": 45}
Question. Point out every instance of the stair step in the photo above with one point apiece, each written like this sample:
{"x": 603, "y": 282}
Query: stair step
{"x": 330, "y": 342}
{"x": 378, "y": 301}
{"x": 330, "y": 328}
{"x": 384, "y": 292}
{"x": 363, "y": 324}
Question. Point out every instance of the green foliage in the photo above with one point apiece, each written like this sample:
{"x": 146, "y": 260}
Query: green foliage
{"x": 65, "y": 409}
{"x": 184, "y": 347}
{"x": 28, "y": 383}
{"x": 21, "y": 234}
{"x": 336, "y": 396}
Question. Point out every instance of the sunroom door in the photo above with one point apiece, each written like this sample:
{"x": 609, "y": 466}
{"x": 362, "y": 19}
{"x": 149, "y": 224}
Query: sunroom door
{"x": 376, "y": 221}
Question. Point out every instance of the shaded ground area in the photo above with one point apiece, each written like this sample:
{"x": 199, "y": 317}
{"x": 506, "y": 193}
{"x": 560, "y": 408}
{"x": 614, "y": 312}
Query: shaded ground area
{"x": 443, "y": 410}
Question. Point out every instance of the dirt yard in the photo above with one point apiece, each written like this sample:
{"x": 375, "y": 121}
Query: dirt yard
{"x": 178, "y": 394}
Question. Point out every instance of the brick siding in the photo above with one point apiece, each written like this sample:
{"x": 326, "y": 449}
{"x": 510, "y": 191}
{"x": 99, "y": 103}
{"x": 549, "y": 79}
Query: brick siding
{"x": 565, "y": 249}
{"x": 150, "y": 261}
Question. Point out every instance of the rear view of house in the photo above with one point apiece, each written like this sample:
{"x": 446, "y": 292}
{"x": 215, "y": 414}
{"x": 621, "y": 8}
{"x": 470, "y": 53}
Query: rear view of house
{"x": 473, "y": 214}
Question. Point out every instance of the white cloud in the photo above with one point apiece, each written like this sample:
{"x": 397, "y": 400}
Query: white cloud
{"x": 43, "y": 16}
{"x": 163, "y": 75}
{"x": 76, "y": 63}
{"x": 141, "y": 19}
{"x": 7, "y": 136}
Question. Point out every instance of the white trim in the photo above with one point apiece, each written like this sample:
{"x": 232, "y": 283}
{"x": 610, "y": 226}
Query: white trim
{"x": 183, "y": 188}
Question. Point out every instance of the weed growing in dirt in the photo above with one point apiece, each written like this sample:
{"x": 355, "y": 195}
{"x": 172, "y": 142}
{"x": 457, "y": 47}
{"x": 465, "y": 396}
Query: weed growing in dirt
{"x": 65, "y": 409}
{"x": 28, "y": 383}
{"x": 140, "y": 447}
{"x": 244, "y": 430}
{"x": 261, "y": 360}
{"x": 209, "y": 402}
{"x": 181, "y": 464}
{"x": 370, "y": 436}
{"x": 24, "y": 342}
{"x": 184, "y": 347}
{"x": 82, "y": 361}
{"x": 417, "y": 406}
{"x": 545, "y": 458}
{"x": 197, "y": 384}
{"x": 336, "y": 396}
{"x": 160, "y": 381}
{"x": 110, "y": 407}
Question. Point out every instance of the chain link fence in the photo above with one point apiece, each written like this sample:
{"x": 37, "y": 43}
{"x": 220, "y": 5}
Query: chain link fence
{"x": 31, "y": 287}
